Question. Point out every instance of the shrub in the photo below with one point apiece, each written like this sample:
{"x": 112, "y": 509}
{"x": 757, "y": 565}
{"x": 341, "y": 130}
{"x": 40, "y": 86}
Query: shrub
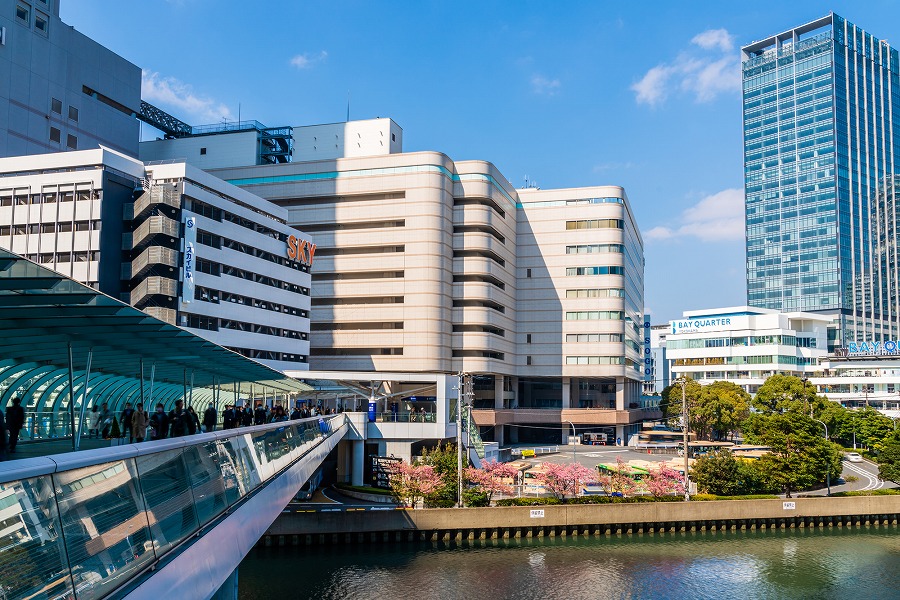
{"x": 528, "y": 501}
{"x": 475, "y": 498}
{"x": 885, "y": 492}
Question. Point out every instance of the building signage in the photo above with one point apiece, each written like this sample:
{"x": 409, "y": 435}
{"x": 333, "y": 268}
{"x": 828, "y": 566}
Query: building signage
{"x": 648, "y": 351}
{"x": 300, "y": 250}
{"x": 700, "y": 324}
{"x": 887, "y": 347}
{"x": 190, "y": 239}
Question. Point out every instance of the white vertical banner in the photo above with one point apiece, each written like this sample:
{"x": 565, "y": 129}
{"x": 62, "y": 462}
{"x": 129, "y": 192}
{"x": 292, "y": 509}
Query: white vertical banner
{"x": 190, "y": 239}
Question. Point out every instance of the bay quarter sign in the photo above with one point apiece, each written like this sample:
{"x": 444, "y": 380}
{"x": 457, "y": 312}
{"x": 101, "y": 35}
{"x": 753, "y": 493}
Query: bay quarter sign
{"x": 300, "y": 250}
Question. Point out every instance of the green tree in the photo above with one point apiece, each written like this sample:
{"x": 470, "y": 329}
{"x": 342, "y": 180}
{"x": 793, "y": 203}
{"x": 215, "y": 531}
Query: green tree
{"x": 782, "y": 393}
{"x": 444, "y": 461}
{"x": 671, "y": 399}
{"x": 720, "y": 409}
{"x": 889, "y": 460}
{"x": 722, "y": 474}
{"x": 800, "y": 456}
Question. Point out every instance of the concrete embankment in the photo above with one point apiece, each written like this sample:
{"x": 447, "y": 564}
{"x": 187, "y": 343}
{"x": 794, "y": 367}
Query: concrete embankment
{"x": 357, "y": 527}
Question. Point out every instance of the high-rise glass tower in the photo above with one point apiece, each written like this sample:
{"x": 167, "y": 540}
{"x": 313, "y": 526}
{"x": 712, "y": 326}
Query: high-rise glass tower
{"x": 821, "y": 107}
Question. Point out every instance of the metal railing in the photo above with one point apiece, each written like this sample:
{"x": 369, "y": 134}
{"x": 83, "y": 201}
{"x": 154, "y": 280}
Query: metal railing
{"x": 83, "y": 524}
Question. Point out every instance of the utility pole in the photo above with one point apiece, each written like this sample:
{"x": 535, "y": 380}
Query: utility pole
{"x": 459, "y": 455}
{"x": 684, "y": 428}
{"x": 828, "y": 471}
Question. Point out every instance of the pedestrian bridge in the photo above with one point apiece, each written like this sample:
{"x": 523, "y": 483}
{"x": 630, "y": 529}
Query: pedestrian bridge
{"x": 166, "y": 519}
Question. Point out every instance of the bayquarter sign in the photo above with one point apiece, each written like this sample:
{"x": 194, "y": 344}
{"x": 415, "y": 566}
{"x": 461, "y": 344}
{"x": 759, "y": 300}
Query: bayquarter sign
{"x": 300, "y": 250}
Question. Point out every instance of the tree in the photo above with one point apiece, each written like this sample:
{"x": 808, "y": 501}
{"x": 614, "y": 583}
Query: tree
{"x": 444, "y": 461}
{"x": 782, "y": 393}
{"x": 563, "y": 480}
{"x": 799, "y": 457}
{"x": 722, "y": 474}
{"x": 619, "y": 482}
{"x": 720, "y": 409}
{"x": 663, "y": 481}
{"x": 411, "y": 483}
{"x": 889, "y": 461}
{"x": 671, "y": 404}
{"x": 492, "y": 478}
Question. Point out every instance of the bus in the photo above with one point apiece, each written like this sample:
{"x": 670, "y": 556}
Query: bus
{"x": 661, "y": 438}
{"x": 635, "y": 472}
{"x": 704, "y": 447}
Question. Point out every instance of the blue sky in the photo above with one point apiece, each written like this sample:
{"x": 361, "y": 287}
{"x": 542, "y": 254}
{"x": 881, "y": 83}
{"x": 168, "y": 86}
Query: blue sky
{"x": 645, "y": 95}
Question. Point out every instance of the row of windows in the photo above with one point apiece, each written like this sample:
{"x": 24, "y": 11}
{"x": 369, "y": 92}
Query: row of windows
{"x": 741, "y": 360}
{"x": 215, "y": 241}
{"x": 49, "y": 258}
{"x": 593, "y": 315}
{"x": 220, "y": 215}
{"x": 357, "y": 300}
{"x": 215, "y": 324}
{"x": 216, "y": 269}
{"x": 47, "y": 198}
{"x": 205, "y": 294}
{"x": 595, "y": 248}
{"x": 355, "y": 326}
{"x": 41, "y": 19}
{"x": 356, "y": 351}
{"x": 596, "y": 224}
{"x": 572, "y": 271}
{"x": 359, "y": 250}
{"x": 479, "y": 304}
{"x": 479, "y": 279}
{"x": 478, "y": 354}
{"x": 269, "y": 355}
{"x": 596, "y": 293}
{"x": 756, "y": 340}
{"x": 56, "y": 137}
{"x": 61, "y": 227}
{"x": 575, "y": 202}
{"x": 482, "y": 329}
{"x": 594, "y": 337}
{"x": 595, "y": 360}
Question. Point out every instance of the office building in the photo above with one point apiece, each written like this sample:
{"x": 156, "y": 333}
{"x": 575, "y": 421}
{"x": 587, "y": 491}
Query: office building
{"x": 819, "y": 109}
{"x": 169, "y": 239}
{"x": 60, "y": 90}
{"x": 660, "y": 364}
{"x": 429, "y": 265}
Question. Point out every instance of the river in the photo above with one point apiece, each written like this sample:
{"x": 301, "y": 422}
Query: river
{"x": 794, "y": 564}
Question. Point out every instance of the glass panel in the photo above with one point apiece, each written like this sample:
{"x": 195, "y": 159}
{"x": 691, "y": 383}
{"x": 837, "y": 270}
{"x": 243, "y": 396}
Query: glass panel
{"x": 207, "y": 471}
{"x": 104, "y": 526}
{"x": 170, "y": 504}
{"x": 32, "y": 557}
{"x": 240, "y": 460}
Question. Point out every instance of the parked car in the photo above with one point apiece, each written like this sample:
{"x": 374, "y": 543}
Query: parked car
{"x": 853, "y": 456}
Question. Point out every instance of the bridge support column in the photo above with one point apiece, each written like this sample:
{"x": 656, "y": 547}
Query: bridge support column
{"x": 358, "y": 466}
{"x": 229, "y": 589}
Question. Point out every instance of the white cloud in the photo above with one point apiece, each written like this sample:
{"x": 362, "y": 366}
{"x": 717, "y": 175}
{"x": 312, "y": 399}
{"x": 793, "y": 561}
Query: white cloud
{"x": 716, "y": 218}
{"x": 307, "y": 60}
{"x": 171, "y": 93}
{"x": 543, "y": 85}
{"x": 706, "y": 74}
{"x": 714, "y": 38}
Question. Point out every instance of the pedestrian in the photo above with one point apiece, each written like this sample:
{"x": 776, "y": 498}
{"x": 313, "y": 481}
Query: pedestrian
{"x": 259, "y": 415}
{"x": 229, "y": 417}
{"x": 139, "y": 421}
{"x": 194, "y": 425}
{"x": 179, "y": 420}
{"x": 15, "y": 420}
{"x": 247, "y": 416}
{"x": 210, "y": 417}
{"x": 105, "y": 421}
{"x": 159, "y": 423}
{"x": 126, "y": 420}
{"x": 295, "y": 414}
{"x": 2, "y": 437}
{"x": 278, "y": 415}
{"x": 94, "y": 422}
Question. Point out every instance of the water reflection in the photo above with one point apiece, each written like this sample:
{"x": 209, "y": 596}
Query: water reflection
{"x": 771, "y": 564}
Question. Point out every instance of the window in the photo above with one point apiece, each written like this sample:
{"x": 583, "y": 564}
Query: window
{"x": 41, "y": 22}
{"x": 23, "y": 13}
{"x": 527, "y": 272}
{"x": 527, "y": 338}
{"x": 73, "y": 113}
{"x": 202, "y": 151}
{"x": 528, "y": 360}
{"x": 71, "y": 142}
{"x": 56, "y": 106}
{"x": 393, "y": 137}
{"x": 55, "y": 135}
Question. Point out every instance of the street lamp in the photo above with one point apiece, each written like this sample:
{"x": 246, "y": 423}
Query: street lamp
{"x": 684, "y": 428}
{"x": 573, "y": 439}
{"x": 828, "y": 468}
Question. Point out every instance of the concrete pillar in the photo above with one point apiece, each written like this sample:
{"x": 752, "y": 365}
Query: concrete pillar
{"x": 620, "y": 434}
{"x": 358, "y": 463}
{"x": 229, "y": 589}
{"x": 498, "y": 435}
{"x": 498, "y": 391}
{"x": 567, "y": 392}
{"x": 621, "y": 401}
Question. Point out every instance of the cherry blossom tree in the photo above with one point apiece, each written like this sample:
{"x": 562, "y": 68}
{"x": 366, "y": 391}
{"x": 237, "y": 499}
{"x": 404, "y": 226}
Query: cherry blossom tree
{"x": 565, "y": 480}
{"x": 411, "y": 483}
{"x": 663, "y": 481}
{"x": 493, "y": 478}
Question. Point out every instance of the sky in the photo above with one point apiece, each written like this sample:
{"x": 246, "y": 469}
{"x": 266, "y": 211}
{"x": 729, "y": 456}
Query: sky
{"x": 645, "y": 95}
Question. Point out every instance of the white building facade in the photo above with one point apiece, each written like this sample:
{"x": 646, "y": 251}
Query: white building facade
{"x": 169, "y": 239}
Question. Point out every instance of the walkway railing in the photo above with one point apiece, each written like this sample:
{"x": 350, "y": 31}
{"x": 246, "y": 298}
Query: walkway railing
{"x": 82, "y": 524}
